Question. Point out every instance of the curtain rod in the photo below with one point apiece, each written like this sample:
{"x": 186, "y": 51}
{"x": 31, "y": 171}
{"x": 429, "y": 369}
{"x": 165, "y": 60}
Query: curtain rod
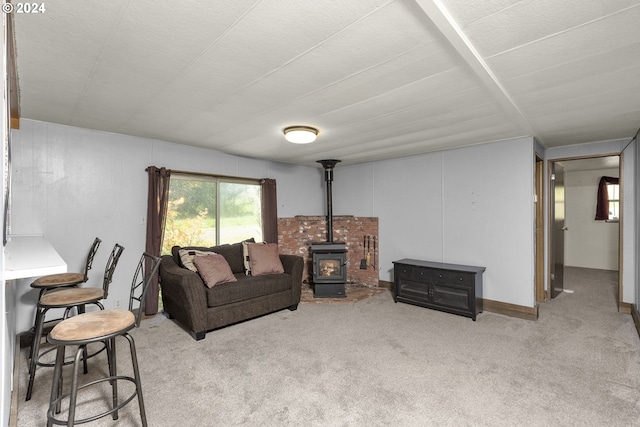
{"x": 212, "y": 175}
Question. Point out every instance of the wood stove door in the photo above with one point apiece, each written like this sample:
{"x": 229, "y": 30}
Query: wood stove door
{"x": 329, "y": 268}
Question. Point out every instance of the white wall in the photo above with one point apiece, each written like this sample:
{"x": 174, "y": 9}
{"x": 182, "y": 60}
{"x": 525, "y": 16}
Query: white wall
{"x": 635, "y": 236}
{"x": 471, "y": 206}
{"x": 628, "y": 222}
{"x": 73, "y": 184}
{"x": 6, "y": 295}
{"x": 588, "y": 243}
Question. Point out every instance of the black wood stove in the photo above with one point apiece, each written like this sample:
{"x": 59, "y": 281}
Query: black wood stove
{"x": 329, "y": 258}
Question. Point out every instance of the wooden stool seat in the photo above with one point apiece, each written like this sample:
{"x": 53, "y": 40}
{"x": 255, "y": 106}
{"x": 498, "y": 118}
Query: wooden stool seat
{"x": 56, "y": 280}
{"x": 72, "y": 296}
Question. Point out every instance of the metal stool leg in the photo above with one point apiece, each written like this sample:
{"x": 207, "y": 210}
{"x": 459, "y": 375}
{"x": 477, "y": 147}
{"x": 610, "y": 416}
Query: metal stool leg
{"x": 136, "y": 374}
{"x": 113, "y": 372}
{"x": 74, "y": 387}
{"x": 56, "y": 383}
{"x": 38, "y": 314}
{"x": 35, "y": 350}
{"x": 81, "y": 309}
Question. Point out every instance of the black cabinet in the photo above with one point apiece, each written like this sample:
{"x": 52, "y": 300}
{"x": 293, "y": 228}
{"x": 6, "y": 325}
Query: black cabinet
{"x": 452, "y": 288}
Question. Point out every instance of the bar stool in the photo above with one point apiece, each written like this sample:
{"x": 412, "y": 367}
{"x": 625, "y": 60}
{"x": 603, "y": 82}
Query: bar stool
{"x": 63, "y": 280}
{"x": 54, "y": 281}
{"x": 68, "y": 298}
{"x": 100, "y": 326}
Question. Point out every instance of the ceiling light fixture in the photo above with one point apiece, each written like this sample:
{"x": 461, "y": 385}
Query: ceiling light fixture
{"x": 300, "y": 134}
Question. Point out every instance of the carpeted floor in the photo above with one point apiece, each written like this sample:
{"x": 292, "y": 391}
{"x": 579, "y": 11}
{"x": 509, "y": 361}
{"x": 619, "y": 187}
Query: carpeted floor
{"x": 377, "y": 363}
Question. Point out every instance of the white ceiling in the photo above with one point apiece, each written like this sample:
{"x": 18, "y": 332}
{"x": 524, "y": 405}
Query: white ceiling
{"x": 595, "y": 163}
{"x": 379, "y": 79}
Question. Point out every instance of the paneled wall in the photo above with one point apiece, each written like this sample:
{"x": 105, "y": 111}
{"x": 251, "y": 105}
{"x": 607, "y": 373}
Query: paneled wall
{"x": 72, "y": 184}
{"x": 470, "y": 206}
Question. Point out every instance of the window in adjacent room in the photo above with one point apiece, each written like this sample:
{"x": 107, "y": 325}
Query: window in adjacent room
{"x": 613, "y": 190}
{"x": 208, "y": 211}
{"x": 608, "y": 204}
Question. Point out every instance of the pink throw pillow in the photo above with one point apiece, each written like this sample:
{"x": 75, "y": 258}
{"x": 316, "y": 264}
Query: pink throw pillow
{"x": 214, "y": 269}
{"x": 264, "y": 259}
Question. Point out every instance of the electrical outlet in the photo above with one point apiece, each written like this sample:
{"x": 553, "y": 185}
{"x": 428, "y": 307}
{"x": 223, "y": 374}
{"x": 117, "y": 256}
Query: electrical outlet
{"x": 118, "y": 303}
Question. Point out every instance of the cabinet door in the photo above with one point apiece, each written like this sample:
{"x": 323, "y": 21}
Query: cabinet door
{"x": 411, "y": 283}
{"x": 415, "y": 291}
{"x": 447, "y": 295}
{"x": 454, "y": 289}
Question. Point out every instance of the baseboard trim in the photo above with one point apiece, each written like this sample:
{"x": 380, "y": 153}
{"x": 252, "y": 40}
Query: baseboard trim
{"x": 624, "y": 307}
{"x": 636, "y": 317}
{"x": 511, "y": 310}
{"x": 385, "y": 284}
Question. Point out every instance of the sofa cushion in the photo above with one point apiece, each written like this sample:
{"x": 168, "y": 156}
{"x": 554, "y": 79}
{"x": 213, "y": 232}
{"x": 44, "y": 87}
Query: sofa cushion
{"x": 264, "y": 259}
{"x": 187, "y": 256}
{"x": 214, "y": 269}
{"x": 247, "y": 287}
{"x": 232, "y": 253}
{"x": 175, "y": 251}
{"x": 245, "y": 256}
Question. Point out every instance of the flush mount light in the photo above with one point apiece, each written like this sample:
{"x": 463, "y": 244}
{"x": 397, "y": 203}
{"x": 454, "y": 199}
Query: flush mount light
{"x": 300, "y": 134}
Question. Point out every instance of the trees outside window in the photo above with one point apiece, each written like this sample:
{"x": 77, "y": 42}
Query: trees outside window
{"x": 208, "y": 211}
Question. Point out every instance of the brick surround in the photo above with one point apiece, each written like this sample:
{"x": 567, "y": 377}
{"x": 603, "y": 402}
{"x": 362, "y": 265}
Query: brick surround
{"x": 296, "y": 234}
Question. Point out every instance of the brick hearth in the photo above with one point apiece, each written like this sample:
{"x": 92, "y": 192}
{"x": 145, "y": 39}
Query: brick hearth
{"x": 296, "y": 234}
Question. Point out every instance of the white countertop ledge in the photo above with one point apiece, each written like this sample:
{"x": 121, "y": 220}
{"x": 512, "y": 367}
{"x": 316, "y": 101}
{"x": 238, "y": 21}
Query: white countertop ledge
{"x": 31, "y": 256}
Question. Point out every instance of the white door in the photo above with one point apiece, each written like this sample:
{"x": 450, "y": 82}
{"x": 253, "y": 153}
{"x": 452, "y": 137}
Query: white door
{"x": 558, "y": 230}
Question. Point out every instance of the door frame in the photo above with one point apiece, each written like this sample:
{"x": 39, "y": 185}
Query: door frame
{"x": 548, "y": 219}
{"x": 553, "y": 230}
{"x": 539, "y": 229}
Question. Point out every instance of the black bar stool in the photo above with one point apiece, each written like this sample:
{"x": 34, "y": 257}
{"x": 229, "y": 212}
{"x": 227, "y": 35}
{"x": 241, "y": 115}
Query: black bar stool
{"x": 68, "y": 298}
{"x": 100, "y": 326}
{"x": 63, "y": 280}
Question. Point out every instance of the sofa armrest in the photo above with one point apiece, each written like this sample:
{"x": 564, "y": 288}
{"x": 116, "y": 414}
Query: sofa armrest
{"x": 293, "y": 265}
{"x": 183, "y": 295}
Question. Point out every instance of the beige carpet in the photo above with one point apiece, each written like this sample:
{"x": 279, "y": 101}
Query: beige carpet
{"x": 377, "y": 363}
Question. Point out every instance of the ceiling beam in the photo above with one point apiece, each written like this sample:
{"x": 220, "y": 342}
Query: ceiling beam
{"x": 442, "y": 19}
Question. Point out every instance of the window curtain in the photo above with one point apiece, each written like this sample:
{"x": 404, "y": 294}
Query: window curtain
{"x": 269, "y": 211}
{"x": 157, "y": 203}
{"x": 602, "y": 207}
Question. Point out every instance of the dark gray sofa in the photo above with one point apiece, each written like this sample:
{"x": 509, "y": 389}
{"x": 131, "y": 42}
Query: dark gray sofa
{"x": 200, "y": 309}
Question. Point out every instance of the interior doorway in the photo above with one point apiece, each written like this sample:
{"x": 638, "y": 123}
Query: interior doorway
{"x": 582, "y": 241}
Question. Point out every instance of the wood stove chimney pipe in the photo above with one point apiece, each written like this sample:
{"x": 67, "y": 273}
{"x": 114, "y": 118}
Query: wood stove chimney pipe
{"x": 328, "y": 166}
